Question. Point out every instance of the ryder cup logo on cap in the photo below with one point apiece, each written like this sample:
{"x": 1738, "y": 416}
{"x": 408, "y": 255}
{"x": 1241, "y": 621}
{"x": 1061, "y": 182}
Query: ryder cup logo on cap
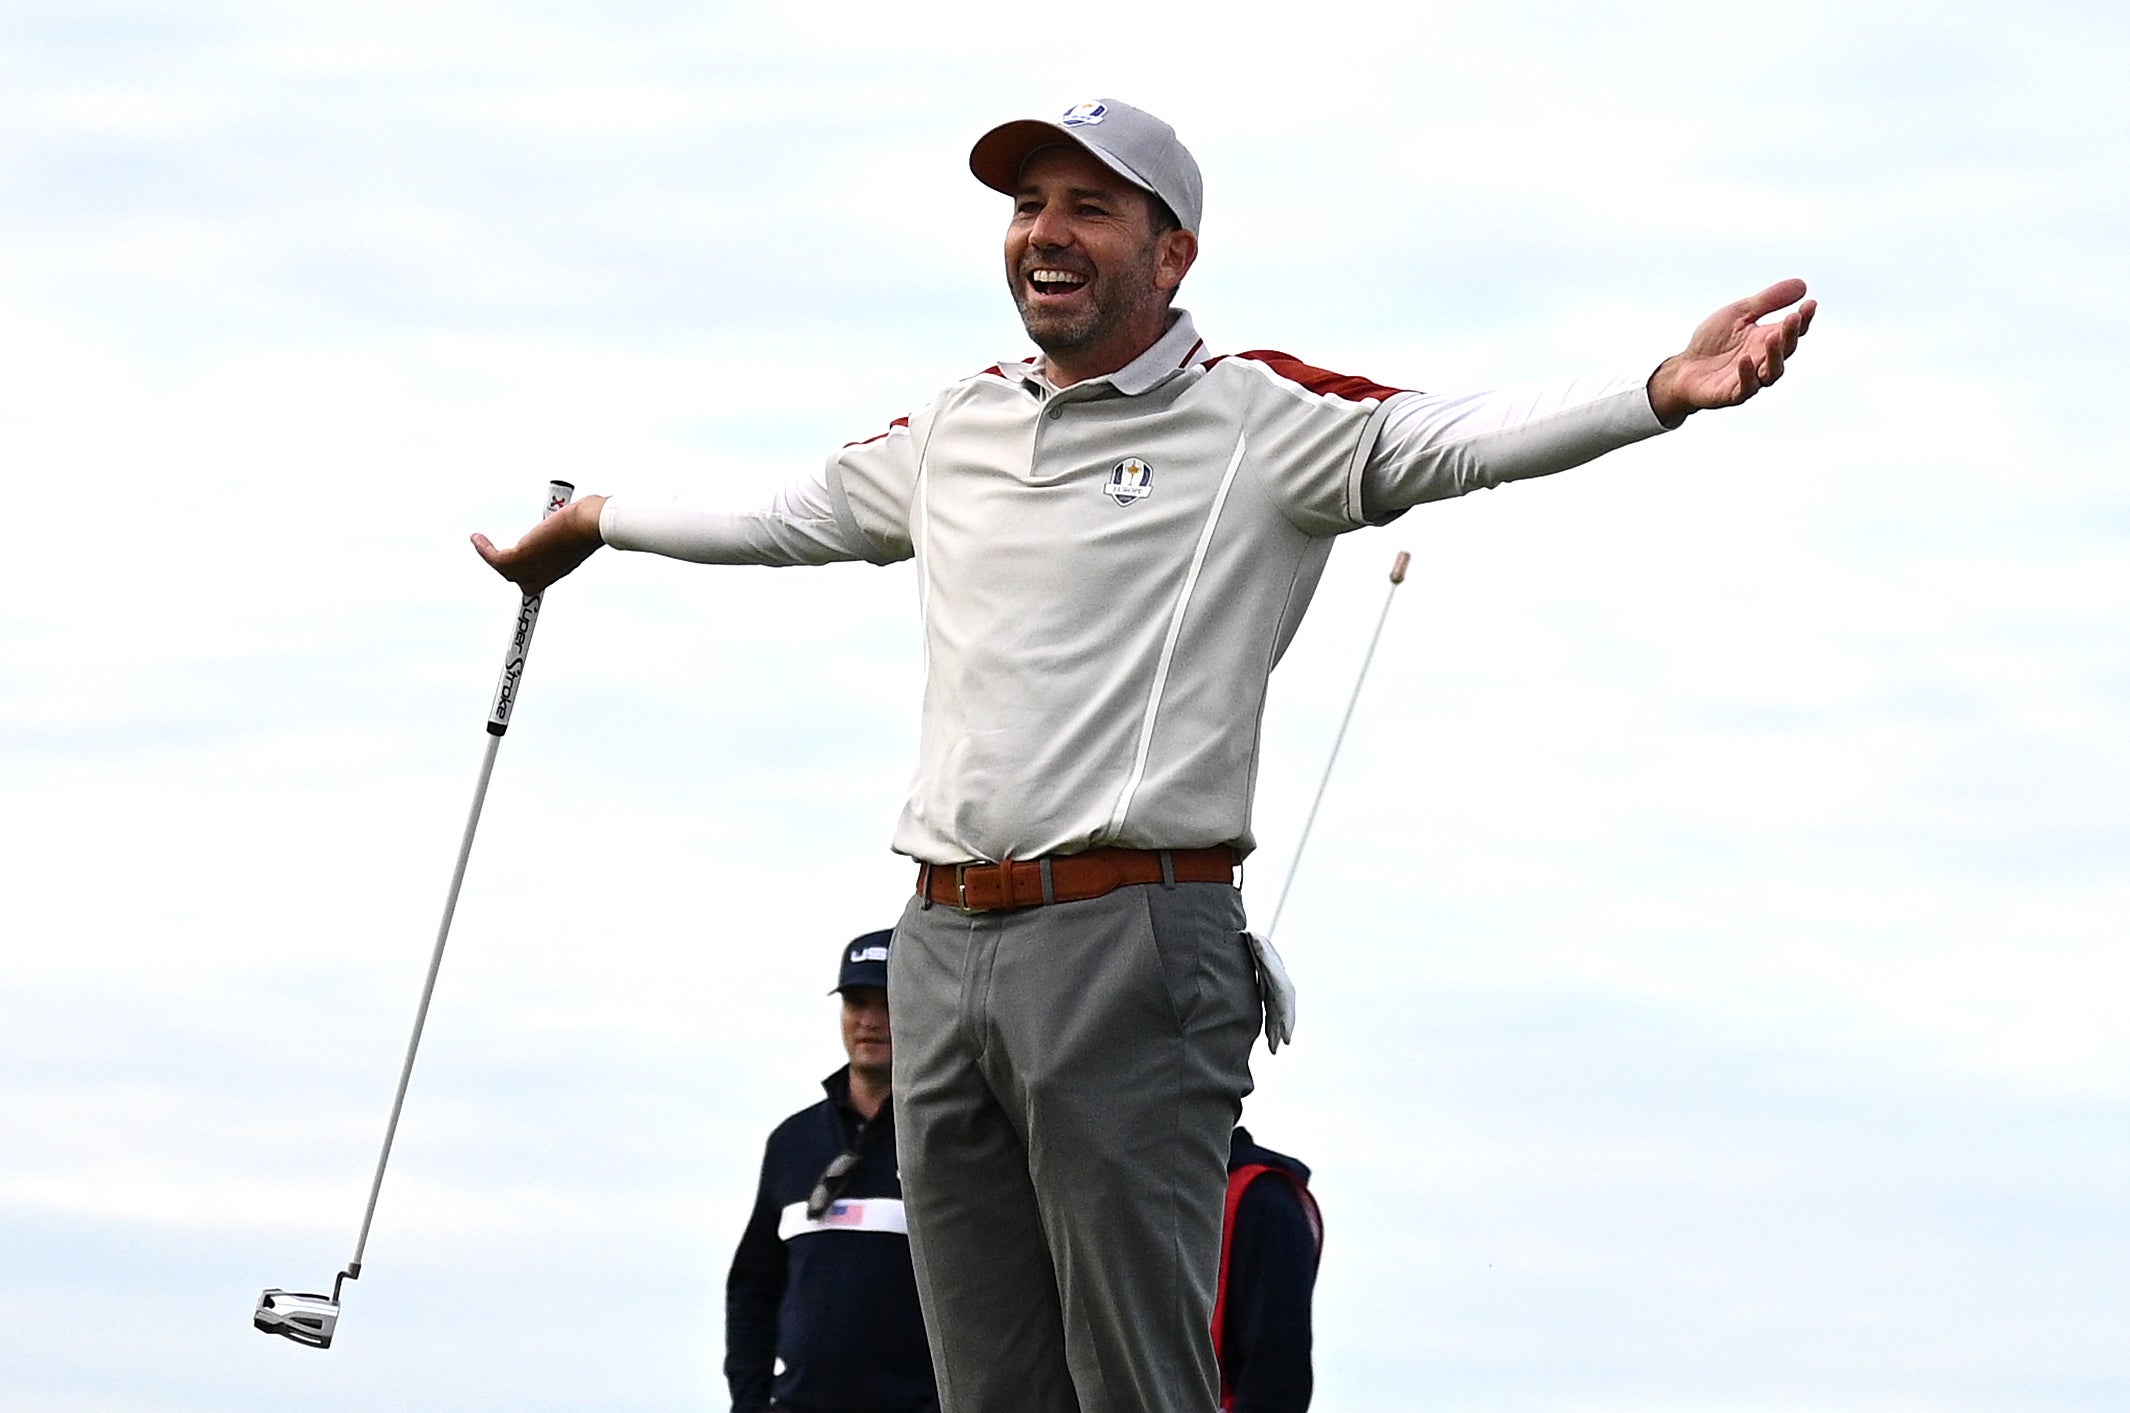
{"x": 1129, "y": 480}
{"x": 1131, "y": 142}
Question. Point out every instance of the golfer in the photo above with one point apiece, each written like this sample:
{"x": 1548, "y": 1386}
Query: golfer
{"x": 1115, "y": 540}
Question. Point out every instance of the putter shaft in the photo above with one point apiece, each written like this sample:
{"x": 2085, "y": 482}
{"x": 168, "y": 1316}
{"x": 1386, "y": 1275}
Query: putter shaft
{"x": 505, "y": 700}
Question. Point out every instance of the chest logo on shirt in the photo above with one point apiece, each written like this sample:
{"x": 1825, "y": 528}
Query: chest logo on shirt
{"x": 1129, "y": 480}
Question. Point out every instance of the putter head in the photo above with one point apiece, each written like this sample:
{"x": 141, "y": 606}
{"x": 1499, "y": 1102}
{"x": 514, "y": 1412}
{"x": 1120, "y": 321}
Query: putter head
{"x": 306, "y": 1319}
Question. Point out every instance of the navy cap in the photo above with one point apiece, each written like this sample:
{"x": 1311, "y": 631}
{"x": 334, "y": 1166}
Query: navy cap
{"x": 863, "y": 961}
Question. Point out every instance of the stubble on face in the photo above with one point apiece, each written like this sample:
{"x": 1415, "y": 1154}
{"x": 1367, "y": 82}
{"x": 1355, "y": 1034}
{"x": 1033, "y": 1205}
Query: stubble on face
{"x": 1117, "y": 299}
{"x": 1089, "y": 267}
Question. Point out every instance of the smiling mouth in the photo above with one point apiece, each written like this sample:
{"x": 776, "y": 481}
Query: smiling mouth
{"x": 1045, "y": 281}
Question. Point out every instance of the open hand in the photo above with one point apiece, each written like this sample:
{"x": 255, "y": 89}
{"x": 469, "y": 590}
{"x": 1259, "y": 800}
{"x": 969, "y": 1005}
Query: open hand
{"x": 1732, "y": 355}
{"x": 549, "y": 549}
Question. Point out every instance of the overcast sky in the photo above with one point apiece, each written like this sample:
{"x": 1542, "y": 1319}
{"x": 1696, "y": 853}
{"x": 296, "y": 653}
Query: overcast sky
{"x": 1712, "y": 947}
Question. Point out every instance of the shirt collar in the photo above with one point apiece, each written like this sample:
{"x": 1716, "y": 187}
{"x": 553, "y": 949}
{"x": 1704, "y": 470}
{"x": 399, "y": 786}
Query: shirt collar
{"x": 1174, "y": 351}
{"x": 838, "y": 1086}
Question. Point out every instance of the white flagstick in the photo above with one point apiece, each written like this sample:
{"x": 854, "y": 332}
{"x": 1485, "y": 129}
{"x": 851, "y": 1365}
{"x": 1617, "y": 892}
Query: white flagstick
{"x": 310, "y": 1319}
{"x": 1274, "y": 986}
{"x": 1397, "y": 577}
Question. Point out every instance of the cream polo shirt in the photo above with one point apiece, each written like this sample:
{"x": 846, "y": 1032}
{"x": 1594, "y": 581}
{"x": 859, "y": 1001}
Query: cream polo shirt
{"x": 1107, "y": 573}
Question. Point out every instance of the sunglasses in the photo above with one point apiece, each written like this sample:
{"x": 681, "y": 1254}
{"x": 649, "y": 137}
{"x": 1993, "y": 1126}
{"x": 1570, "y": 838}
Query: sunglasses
{"x": 834, "y": 1179}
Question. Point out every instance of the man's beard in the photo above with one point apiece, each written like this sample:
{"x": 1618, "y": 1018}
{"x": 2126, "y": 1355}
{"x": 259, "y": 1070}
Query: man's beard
{"x": 1057, "y": 332}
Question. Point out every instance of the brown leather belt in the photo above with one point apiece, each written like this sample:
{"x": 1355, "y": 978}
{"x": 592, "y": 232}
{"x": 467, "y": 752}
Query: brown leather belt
{"x": 1068, "y": 878}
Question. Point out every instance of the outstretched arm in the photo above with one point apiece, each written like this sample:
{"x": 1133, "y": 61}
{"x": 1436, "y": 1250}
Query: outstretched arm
{"x": 549, "y": 549}
{"x": 1732, "y": 355}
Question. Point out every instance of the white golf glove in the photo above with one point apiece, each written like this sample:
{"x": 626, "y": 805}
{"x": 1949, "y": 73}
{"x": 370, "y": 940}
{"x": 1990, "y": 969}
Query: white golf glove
{"x": 1276, "y": 990}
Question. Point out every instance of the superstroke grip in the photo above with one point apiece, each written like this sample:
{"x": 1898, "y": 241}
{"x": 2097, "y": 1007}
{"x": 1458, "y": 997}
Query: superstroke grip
{"x": 558, "y": 495}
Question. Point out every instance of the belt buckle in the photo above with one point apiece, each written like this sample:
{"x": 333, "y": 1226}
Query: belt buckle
{"x": 961, "y": 889}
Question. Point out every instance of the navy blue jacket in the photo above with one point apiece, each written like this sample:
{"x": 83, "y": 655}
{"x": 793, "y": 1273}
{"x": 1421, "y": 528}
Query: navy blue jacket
{"x": 836, "y": 1301}
{"x": 1268, "y": 1280}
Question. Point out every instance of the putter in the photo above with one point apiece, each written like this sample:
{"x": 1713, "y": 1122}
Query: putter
{"x": 309, "y": 1319}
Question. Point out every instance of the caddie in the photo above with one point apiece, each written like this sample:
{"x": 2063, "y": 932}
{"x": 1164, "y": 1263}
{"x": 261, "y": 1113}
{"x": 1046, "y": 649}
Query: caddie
{"x": 821, "y": 1312}
{"x": 1114, "y": 540}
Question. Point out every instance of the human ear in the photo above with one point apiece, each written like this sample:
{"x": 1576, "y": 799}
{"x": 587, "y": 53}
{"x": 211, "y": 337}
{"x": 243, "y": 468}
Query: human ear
{"x": 1173, "y": 260}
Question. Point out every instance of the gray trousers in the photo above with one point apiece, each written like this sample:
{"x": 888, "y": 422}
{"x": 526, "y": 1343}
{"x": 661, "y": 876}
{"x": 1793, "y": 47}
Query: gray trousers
{"x": 1066, "y": 1078}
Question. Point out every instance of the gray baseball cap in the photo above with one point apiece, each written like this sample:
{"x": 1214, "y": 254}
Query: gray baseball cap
{"x": 1134, "y": 144}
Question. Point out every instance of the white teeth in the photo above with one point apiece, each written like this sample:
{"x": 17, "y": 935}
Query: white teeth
{"x": 1056, "y": 277}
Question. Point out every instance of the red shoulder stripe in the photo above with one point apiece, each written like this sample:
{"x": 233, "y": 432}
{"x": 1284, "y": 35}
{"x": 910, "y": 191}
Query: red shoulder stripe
{"x": 1318, "y": 380}
{"x": 868, "y": 441}
{"x": 994, "y": 371}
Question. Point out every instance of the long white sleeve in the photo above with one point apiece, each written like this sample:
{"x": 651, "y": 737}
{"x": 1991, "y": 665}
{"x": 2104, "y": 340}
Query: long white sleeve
{"x": 1431, "y": 447}
{"x": 802, "y": 523}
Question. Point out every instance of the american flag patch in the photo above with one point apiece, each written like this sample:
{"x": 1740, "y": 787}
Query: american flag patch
{"x": 852, "y": 1214}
